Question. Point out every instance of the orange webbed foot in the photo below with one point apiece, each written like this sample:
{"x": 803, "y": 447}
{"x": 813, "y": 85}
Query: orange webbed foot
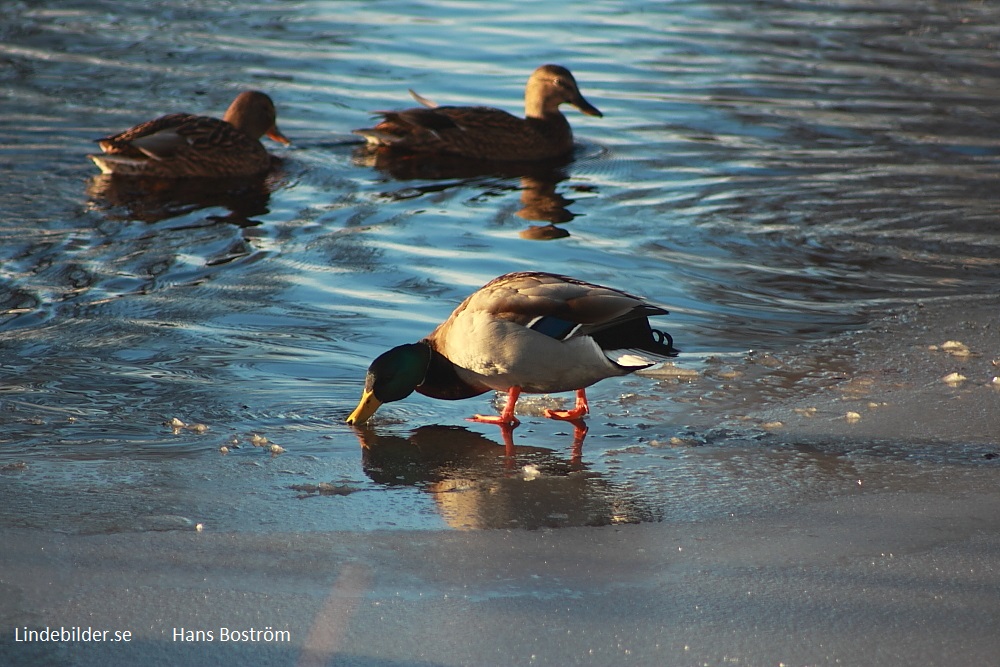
{"x": 566, "y": 415}
{"x": 499, "y": 420}
{"x": 578, "y": 412}
{"x": 506, "y": 418}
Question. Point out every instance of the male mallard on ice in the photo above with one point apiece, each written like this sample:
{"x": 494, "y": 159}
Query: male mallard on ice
{"x": 486, "y": 133}
{"x": 182, "y": 145}
{"x": 532, "y": 332}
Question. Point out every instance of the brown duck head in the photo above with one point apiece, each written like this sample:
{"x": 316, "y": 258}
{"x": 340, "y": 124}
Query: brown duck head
{"x": 253, "y": 112}
{"x": 552, "y": 85}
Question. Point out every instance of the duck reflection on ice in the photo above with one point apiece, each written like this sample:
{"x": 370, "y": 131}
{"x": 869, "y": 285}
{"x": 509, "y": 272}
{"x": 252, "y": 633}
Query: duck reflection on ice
{"x": 154, "y": 199}
{"x": 478, "y": 483}
{"x": 538, "y": 181}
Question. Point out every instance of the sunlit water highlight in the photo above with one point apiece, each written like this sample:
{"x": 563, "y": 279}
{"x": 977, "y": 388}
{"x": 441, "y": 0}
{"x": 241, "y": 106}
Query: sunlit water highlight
{"x": 773, "y": 172}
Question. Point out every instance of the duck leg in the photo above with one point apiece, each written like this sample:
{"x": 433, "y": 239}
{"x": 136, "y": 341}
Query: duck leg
{"x": 505, "y": 418}
{"x": 509, "y": 452}
{"x": 579, "y": 433}
{"x": 581, "y": 409}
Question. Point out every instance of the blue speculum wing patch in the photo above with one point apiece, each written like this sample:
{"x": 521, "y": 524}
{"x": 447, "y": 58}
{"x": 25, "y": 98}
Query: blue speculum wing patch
{"x": 553, "y": 327}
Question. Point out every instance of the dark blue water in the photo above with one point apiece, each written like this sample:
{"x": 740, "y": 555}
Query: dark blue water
{"x": 775, "y": 172}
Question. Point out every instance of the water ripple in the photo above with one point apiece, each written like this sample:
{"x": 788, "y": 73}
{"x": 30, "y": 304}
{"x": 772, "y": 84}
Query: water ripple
{"x": 775, "y": 172}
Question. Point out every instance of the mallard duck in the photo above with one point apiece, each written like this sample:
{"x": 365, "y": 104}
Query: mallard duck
{"x": 485, "y": 133}
{"x": 184, "y": 145}
{"x": 522, "y": 332}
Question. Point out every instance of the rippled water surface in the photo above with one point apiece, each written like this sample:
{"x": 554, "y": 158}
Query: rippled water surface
{"x": 774, "y": 172}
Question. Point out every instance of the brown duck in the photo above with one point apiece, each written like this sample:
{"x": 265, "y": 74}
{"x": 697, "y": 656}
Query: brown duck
{"x": 182, "y": 145}
{"x": 486, "y": 133}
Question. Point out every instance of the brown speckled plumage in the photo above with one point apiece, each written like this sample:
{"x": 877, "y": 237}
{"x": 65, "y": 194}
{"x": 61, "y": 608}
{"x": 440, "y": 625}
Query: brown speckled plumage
{"x": 487, "y": 133}
{"x": 183, "y": 145}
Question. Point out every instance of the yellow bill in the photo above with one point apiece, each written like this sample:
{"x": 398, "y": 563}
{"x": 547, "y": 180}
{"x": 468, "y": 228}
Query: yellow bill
{"x": 366, "y": 408}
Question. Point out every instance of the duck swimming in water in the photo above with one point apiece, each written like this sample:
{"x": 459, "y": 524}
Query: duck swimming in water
{"x": 486, "y": 133}
{"x": 182, "y": 145}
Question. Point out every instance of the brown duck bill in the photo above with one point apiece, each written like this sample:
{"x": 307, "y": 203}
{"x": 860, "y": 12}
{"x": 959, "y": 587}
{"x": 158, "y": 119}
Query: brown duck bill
{"x": 275, "y": 134}
{"x": 586, "y": 107}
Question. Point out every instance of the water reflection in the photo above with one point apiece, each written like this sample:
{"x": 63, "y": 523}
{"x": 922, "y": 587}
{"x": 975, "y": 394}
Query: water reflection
{"x": 479, "y": 483}
{"x": 154, "y": 199}
{"x": 540, "y": 199}
{"x": 774, "y": 170}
